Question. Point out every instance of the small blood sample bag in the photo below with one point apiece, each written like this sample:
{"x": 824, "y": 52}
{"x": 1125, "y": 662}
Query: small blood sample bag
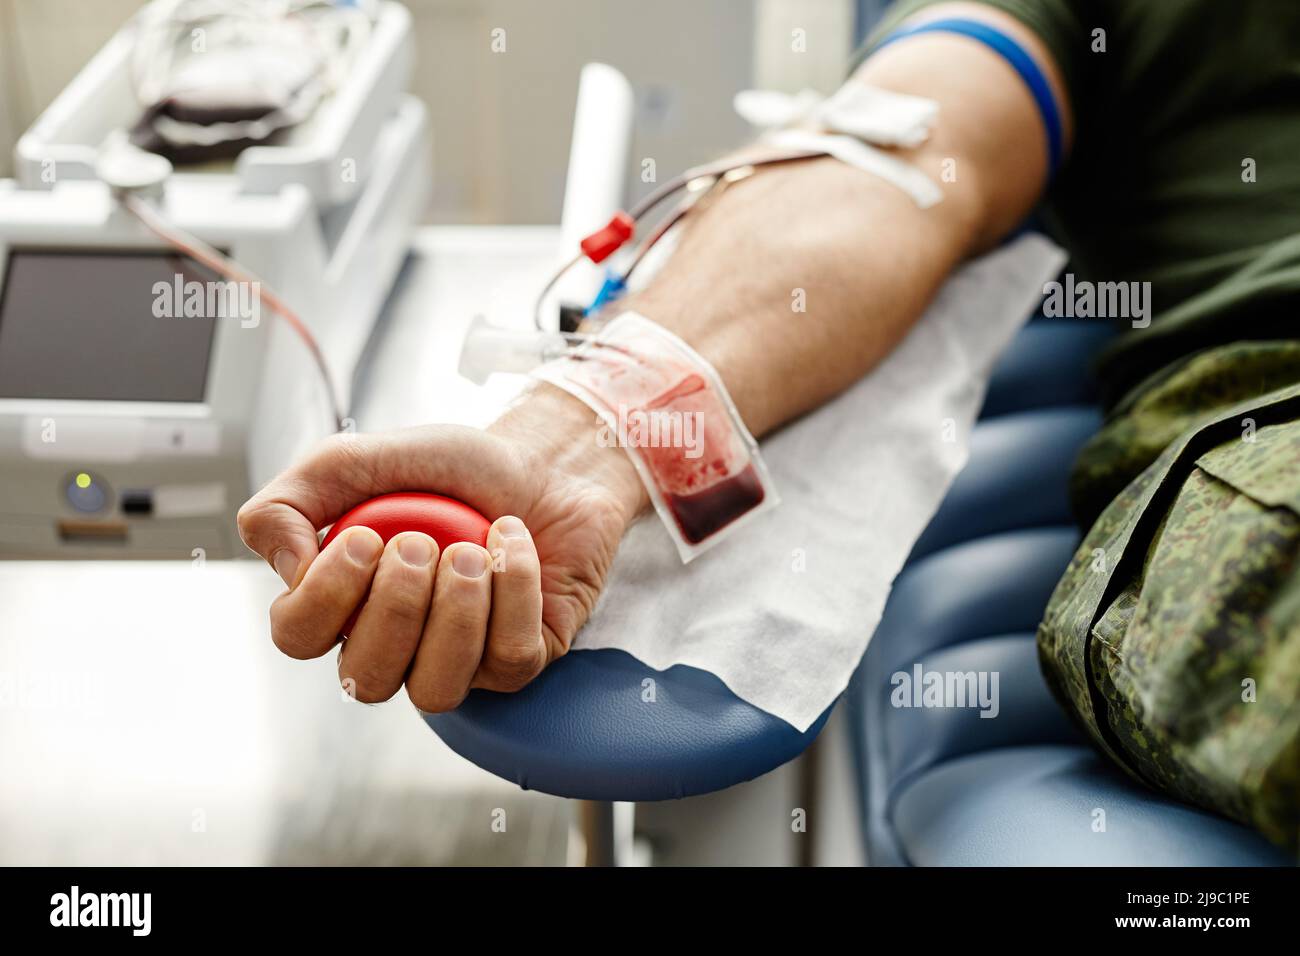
{"x": 662, "y": 402}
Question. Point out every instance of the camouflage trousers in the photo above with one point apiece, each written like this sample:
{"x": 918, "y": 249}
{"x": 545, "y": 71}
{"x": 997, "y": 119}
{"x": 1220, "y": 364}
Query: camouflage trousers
{"x": 1174, "y": 636}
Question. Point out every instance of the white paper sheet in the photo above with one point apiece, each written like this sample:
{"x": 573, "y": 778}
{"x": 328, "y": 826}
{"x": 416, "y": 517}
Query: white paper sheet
{"x": 783, "y": 610}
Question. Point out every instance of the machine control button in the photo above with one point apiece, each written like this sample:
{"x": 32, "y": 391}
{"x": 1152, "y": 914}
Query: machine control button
{"x": 85, "y": 492}
{"x": 137, "y": 502}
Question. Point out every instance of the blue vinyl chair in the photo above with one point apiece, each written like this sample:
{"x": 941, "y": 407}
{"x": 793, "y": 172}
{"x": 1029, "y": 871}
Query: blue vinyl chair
{"x": 939, "y": 787}
{"x": 945, "y": 787}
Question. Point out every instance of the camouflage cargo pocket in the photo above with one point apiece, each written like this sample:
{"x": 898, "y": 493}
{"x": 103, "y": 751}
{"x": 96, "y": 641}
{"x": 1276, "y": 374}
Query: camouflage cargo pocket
{"x": 1198, "y": 657}
{"x": 1181, "y": 655}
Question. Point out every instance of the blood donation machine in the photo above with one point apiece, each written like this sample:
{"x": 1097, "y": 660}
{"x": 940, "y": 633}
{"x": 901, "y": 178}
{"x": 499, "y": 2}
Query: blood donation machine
{"x": 142, "y": 396}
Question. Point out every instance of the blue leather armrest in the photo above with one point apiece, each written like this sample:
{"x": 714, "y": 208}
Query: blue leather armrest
{"x": 586, "y": 728}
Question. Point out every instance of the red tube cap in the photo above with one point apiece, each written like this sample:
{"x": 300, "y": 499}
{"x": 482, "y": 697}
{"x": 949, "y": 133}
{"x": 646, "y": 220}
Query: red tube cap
{"x": 602, "y": 243}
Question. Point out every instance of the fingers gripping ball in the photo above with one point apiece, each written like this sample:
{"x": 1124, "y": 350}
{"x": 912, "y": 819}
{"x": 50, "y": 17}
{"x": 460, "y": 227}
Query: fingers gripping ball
{"x": 445, "y": 520}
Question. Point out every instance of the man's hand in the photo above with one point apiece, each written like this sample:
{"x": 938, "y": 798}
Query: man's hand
{"x": 468, "y": 617}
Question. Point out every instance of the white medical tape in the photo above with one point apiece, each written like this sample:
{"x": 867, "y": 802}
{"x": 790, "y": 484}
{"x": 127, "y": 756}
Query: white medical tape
{"x": 849, "y": 126}
{"x": 923, "y": 190}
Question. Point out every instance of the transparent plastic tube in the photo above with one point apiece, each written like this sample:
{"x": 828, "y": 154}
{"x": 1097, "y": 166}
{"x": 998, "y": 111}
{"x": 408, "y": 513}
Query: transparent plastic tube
{"x": 662, "y": 402}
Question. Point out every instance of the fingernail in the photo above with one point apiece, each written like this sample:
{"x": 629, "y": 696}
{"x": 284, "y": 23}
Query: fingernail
{"x": 417, "y": 550}
{"x": 511, "y": 527}
{"x": 469, "y": 562}
{"x": 363, "y": 546}
{"x": 285, "y": 563}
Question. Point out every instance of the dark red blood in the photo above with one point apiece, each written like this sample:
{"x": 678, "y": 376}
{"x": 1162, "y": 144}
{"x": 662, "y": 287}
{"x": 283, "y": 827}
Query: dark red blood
{"x": 701, "y": 514}
{"x": 443, "y": 519}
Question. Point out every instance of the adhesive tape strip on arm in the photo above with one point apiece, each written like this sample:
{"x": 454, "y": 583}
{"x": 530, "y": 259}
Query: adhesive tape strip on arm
{"x": 658, "y": 399}
{"x": 850, "y": 126}
{"x": 903, "y": 175}
{"x": 869, "y": 113}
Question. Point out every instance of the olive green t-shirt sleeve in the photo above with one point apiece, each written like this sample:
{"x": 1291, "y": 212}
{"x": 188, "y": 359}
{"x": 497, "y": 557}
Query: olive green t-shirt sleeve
{"x": 1056, "y": 22}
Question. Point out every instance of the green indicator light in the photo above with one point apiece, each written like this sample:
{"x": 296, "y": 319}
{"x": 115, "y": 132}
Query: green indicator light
{"x": 83, "y": 480}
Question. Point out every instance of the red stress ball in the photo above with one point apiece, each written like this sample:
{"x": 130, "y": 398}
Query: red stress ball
{"x": 445, "y": 520}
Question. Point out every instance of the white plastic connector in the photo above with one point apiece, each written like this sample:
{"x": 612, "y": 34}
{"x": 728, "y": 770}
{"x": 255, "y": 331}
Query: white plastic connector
{"x": 489, "y": 348}
{"x": 129, "y": 169}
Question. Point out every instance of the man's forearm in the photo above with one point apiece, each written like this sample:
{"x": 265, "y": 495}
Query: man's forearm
{"x": 853, "y": 251}
{"x": 799, "y": 280}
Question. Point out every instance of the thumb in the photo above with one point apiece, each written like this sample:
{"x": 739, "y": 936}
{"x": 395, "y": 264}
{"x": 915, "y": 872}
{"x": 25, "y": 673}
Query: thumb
{"x": 279, "y": 533}
{"x": 280, "y": 521}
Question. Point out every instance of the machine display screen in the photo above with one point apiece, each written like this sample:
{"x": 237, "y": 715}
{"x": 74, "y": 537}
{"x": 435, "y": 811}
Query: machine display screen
{"x": 99, "y": 326}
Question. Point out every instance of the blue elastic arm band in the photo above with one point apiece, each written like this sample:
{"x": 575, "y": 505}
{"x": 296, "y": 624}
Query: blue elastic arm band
{"x": 1020, "y": 61}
